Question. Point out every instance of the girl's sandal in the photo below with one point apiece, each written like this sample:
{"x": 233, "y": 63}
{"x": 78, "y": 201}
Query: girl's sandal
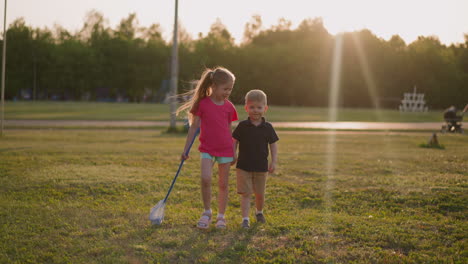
{"x": 204, "y": 222}
{"x": 221, "y": 223}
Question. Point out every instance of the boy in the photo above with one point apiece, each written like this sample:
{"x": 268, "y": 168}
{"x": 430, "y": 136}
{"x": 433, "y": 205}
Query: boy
{"x": 253, "y": 137}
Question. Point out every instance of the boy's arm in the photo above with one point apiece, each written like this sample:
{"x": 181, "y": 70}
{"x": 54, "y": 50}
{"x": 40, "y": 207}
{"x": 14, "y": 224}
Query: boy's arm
{"x": 274, "y": 157}
{"x": 234, "y": 146}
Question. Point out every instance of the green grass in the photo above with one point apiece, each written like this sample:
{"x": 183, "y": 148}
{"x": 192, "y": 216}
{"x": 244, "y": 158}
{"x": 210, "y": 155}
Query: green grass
{"x": 159, "y": 112}
{"x": 426, "y": 145}
{"x": 83, "y": 196}
{"x": 86, "y": 111}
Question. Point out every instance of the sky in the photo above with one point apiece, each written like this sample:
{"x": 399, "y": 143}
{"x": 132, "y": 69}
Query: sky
{"x": 446, "y": 19}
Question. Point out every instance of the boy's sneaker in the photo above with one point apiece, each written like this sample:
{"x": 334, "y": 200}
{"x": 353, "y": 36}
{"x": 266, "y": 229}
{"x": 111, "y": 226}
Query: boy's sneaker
{"x": 245, "y": 224}
{"x": 260, "y": 218}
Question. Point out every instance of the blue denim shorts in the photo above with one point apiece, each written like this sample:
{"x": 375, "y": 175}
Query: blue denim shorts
{"x": 220, "y": 160}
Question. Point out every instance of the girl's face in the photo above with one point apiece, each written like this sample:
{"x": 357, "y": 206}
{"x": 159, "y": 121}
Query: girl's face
{"x": 223, "y": 91}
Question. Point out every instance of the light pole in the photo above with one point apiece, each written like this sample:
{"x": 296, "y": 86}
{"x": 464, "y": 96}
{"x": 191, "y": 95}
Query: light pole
{"x": 2, "y": 118}
{"x": 174, "y": 73}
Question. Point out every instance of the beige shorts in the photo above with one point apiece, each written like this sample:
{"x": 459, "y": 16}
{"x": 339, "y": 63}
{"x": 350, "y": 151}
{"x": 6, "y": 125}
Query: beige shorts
{"x": 251, "y": 182}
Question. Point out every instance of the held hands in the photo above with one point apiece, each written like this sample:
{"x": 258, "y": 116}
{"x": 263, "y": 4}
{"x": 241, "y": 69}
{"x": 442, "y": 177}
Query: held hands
{"x": 234, "y": 161}
{"x": 272, "y": 167}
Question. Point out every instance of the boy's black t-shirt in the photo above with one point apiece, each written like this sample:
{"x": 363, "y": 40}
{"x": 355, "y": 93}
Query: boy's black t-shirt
{"x": 253, "y": 145}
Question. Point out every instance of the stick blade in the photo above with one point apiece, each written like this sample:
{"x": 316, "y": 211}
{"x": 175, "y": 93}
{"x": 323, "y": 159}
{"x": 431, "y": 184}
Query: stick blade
{"x": 157, "y": 213}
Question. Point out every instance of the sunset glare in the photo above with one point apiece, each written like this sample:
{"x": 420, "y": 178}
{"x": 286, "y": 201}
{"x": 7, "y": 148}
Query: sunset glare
{"x": 409, "y": 19}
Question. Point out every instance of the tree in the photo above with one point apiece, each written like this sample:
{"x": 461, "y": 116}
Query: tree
{"x": 291, "y": 64}
{"x": 19, "y": 70}
{"x": 252, "y": 28}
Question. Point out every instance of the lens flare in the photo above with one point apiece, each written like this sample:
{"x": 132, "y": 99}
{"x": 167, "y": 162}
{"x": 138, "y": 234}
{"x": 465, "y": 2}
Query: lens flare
{"x": 335, "y": 79}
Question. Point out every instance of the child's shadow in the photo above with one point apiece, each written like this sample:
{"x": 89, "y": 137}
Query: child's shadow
{"x": 229, "y": 244}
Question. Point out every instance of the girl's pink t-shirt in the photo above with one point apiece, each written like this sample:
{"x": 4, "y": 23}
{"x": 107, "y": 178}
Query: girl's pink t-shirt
{"x": 215, "y": 132}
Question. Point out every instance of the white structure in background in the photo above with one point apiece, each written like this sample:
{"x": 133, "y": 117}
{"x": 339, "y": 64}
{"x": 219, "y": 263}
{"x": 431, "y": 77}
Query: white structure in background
{"x": 413, "y": 102}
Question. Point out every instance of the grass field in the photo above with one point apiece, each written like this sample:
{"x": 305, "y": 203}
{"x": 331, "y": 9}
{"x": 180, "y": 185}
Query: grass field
{"x": 159, "y": 112}
{"x": 83, "y": 196}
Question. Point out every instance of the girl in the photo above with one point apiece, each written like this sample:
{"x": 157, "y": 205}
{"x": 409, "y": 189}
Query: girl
{"x": 211, "y": 110}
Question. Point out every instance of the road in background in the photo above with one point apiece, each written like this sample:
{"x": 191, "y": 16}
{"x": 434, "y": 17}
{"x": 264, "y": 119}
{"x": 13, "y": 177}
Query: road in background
{"x": 299, "y": 125}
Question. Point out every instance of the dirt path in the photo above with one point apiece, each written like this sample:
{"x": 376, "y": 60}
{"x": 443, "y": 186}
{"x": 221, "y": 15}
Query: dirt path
{"x": 435, "y": 126}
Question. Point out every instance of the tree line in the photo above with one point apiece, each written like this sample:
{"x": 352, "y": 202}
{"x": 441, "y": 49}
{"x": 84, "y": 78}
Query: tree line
{"x": 292, "y": 65}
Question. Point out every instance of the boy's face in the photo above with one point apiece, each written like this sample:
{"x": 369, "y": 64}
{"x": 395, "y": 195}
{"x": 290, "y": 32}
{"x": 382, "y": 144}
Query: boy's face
{"x": 256, "y": 110}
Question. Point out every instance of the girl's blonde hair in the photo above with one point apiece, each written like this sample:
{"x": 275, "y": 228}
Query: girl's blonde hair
{"x": 209, "y": 78}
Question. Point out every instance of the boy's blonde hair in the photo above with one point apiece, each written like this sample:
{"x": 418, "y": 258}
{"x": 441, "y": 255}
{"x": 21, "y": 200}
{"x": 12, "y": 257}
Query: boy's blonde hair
{"x": 256, "y": 96}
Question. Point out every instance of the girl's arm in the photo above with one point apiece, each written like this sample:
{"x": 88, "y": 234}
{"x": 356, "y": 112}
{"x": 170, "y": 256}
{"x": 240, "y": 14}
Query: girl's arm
{"x": 234, "y": 146}
{"x": 274, "y": 157}
{"x": 191, "y": 133}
